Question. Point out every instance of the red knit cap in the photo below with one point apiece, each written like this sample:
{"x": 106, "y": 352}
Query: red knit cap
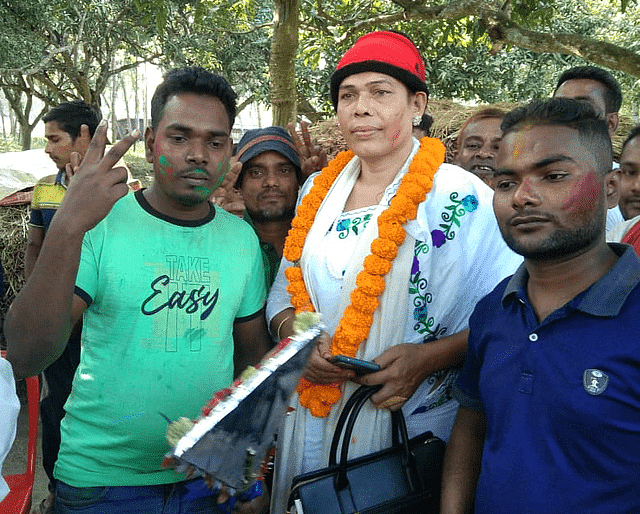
{"x": 385, "y": 52}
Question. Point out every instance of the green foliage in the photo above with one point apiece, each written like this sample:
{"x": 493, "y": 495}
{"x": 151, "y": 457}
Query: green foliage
{"x": 12, "y": 144}
{"x": 66, "y": 49}
{"x": 534, "y": 14}
{"x": 460, "y": 57}
{"x": 9, "y": 144}
{"x": 624, "y": 4}
{"x": 228, "y": 37}
{"x": 75, "y": 46}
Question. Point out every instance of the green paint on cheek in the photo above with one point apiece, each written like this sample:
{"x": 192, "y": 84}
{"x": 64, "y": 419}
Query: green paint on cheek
{"x": 222, "y": 172}
{"x": 165, "y": 166}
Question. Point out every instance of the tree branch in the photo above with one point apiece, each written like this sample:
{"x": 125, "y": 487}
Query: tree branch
{"x": 322, "y": 13}
{"x": 41, "y": 65}
{"x": 503, "y": 30}
{"x": 250, "y": 99}
{"x": 595, "y": 51}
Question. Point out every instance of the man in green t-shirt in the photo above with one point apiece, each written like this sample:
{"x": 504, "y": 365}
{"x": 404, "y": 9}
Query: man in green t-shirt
{"x": 172, "y": 293}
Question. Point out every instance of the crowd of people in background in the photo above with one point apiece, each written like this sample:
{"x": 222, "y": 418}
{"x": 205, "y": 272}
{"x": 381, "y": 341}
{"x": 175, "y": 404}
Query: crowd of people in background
{"x": 493, "y": 291}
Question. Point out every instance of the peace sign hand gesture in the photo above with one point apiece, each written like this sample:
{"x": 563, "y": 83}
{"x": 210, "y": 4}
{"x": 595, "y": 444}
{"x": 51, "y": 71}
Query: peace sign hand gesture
{"x": 312, "y": 157}
{"x": 227, "y": 196}
{"x": 96, "y": 185}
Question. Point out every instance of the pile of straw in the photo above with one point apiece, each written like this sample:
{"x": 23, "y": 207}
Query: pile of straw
{"x": 448, "y": 117}
{"x": 327, "y": 134}
{"x": 13, "y": 238}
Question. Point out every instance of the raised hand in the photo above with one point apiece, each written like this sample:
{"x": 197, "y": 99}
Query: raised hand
{"x": 72, "y": 166}
{"x": 312, "y": 157}
{"x": 227, "y": 196}
{"x": 95, "y": 185}
{"x": 75, "y": 158}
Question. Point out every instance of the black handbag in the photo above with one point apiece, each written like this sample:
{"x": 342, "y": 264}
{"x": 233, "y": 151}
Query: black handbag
{"x": 404, "y": 478}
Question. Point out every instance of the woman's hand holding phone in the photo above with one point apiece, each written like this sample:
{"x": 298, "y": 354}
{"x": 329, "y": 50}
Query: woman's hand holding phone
{"x": 359, "y": 366}
{"x": 320, "y": 370}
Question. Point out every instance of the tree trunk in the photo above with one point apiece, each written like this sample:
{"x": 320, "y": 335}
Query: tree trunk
{"x": 126, "y": 105}
{"x": 136, "y": 107}
{"x": 21, "y": 111}
{"x": 146, "y": 100}
{"x": 4, "y": 130}
{"x": 114, "y": 91}
{"x": 26, "y": 139}
{"x": 282, "y": 61}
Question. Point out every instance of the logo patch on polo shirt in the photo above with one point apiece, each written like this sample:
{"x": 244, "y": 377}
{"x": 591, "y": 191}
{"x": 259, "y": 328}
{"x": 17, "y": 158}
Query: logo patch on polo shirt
{"x": 594, "y": 381}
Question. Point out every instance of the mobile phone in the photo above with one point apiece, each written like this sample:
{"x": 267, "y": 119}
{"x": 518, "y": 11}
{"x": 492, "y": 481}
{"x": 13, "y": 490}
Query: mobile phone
{"x": 360, "y": 366}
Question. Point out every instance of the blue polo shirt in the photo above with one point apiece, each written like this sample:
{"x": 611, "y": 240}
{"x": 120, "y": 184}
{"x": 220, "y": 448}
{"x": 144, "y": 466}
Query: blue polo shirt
{"x": 561, "y": 397}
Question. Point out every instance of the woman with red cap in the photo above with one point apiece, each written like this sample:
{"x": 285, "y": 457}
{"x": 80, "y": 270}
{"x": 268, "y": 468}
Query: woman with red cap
{"x": 393, "y": 248}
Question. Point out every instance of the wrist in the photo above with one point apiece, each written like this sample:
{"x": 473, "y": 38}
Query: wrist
{"x": 446, "y": 353}
{"x": 70, "y": 233}
{"x": 288, "y": 329}
{"x": 281, "y": 325}
{"x": 67, "y": 224}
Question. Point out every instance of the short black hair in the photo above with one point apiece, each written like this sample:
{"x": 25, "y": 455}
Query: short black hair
{"x": 195, "y": 80}
{"x": 70, "y": 116}
{"x": 635, "y": 132}
{"x": 425, "y": 123}
{"x": 613, "y": 93}
{"x": 566, "y": 112}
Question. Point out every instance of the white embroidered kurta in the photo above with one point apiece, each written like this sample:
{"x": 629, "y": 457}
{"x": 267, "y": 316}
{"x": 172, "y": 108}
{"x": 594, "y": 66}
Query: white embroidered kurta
{"x": 453, "y": 256}
{"x": 9, "y": 407}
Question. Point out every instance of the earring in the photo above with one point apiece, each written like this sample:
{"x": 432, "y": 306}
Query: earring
{"x": 417, "y": 119}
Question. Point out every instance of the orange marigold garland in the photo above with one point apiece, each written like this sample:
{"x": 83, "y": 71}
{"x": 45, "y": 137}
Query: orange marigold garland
{"x": 354, "y": 326}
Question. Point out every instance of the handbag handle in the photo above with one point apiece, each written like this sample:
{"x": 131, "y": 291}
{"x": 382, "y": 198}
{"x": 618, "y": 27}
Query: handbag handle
{"x": 365, "y": 391}
{"x": 399, "y": 428}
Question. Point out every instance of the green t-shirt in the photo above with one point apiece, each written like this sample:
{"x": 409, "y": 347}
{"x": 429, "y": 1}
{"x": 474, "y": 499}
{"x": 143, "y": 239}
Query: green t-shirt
{"x": 157, "y": 340}
{"x": 270, "y": 257}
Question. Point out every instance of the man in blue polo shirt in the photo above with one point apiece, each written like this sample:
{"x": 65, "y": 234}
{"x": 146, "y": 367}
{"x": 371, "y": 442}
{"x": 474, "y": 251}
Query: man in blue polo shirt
{"x": 550, "y": 389}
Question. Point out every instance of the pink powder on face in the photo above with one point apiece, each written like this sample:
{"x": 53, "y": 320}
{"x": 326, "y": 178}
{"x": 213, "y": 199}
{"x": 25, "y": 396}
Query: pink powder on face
{"x": 584, "y": 194}
{"x": 397, "y": 131}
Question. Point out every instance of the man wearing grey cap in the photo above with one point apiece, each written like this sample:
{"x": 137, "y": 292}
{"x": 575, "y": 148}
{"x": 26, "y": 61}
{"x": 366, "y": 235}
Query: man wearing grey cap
{"x": 269, "y": 182}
